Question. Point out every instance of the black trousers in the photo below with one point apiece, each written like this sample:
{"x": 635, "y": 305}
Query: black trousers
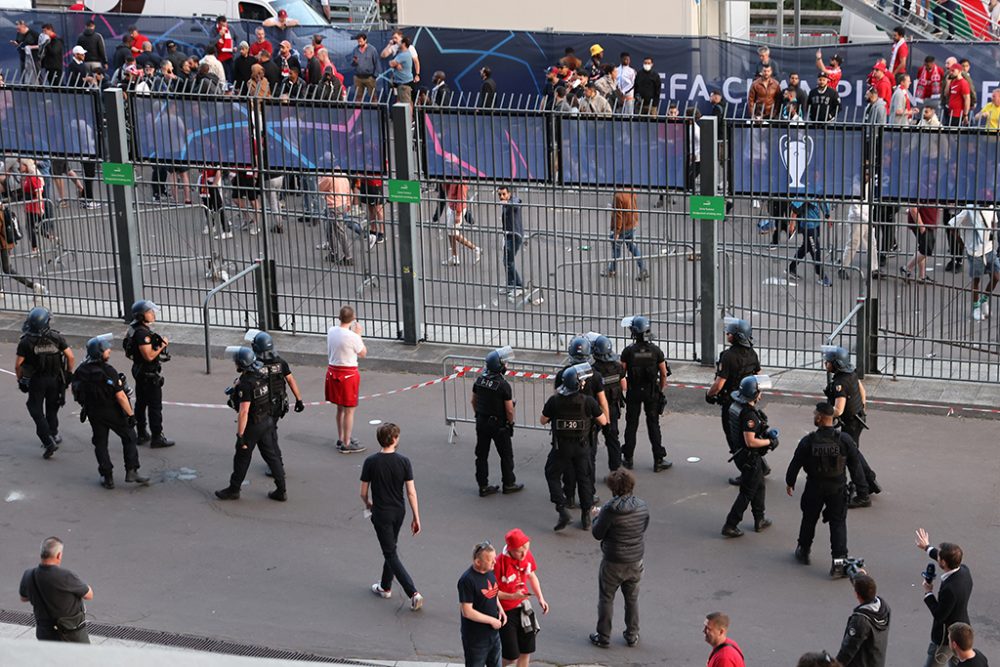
{"x": 635, "y": 403}
{"x": 493, "y": 430}
{"x": 261, "y": 434}
{"x": 101, "y": 426}
{"x": 46, "y": 633}
{"x": 611, "y": 434}
{"x": 149, "y": 403}
{"x": 830, "y": 500}
{"x": 45, "y": 396}
{"x": 752, "y": 489}
{"x": 569, "y": 482}
{"x": 561, "y": 460}
{"x": 854, "y": 429}
{"x": 387, "y": 525}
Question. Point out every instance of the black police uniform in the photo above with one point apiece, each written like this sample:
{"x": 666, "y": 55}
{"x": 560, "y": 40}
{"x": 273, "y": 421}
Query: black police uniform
{"x": 96, "y": 385}
{"x": 572, "y": 419}
{"x": 642, "y": 361}
{"x": 252, "y": 387}
{"x": 593, "y": 386}
{"x": 611, "y": 376}
{"x": 745, "y": 418}
{"x": 276, "y": 370}
{"x": 844, "y": 384}
{"x": 148, "y": 377}
{"x": 492, "y": 391}
{"x": 44, "y": 368}
{"x": 826, "y": 455}
{"x": 734, "y": 364}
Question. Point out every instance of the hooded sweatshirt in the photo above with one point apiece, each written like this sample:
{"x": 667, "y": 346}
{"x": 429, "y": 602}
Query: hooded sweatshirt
{"x": 93, "y": 42}
{"x": 866, "y": 636}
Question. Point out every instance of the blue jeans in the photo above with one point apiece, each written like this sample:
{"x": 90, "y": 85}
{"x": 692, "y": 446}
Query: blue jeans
{"x": 313, "y": 202}
{"x": 626, "y": 238}
{"x": 512, "y": 245}
{"x": 484, "y": 654}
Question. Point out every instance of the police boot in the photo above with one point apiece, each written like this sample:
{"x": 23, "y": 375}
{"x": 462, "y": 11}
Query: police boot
{"x": 858, "y": 502}
{"x": 585, "y": 521}
{"x": 662, "y": 464}
{"x": 50, "y": 448}
{"x": 564, "y": 518}
{"x": 143, "y": 434}
{"x": 761, "y": 524}
{"x": 732, "y": 531}
{"x": 801, "y": 555}
{"x": 228, "y": 494}
{"x": 488, "y": 491}
{"x": 133, "y": 476}
{"x": 159, "y": 441}
{"x": 278, "y": 494}
{"x": 108, "y": 481}
{"x": 58, "y": 440}
{"x": 513, "y": 488}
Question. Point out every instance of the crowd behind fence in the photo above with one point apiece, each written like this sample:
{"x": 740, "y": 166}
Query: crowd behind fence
{"x": 821, "y": 217}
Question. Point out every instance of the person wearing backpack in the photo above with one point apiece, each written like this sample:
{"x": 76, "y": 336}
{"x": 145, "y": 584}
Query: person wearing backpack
{"x": 104, "y": 398}
{"x": 41, "y": 367}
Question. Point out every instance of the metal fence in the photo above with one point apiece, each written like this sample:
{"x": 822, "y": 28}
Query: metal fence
{"x": 603, "y": 227}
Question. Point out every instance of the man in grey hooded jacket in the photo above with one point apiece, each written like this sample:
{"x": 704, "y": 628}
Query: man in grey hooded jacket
{"x": 867, "y": 633}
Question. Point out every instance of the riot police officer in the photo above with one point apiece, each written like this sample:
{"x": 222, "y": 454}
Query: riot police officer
{"x": 646, "y": 374}
{"x": 609, "y": 367}
{"x": 42, "y": 369}
{"x": 735, "y": 363}
{"x": 103, "y": 396}
{"x": 846, "y": 394}
{"x": 826, "y": 454}
{"x": 147, "y": 350}
{"x": 572, "y": 414}
{"x": 578, "y": 353}
{"x": 751, "y": 437}
{"x": 279, "y": 380}
{"x": 493, "y": 405}
{"x": 251, "y": 398}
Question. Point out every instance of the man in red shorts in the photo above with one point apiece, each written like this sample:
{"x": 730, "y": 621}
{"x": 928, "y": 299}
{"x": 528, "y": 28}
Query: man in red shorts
{"x": 344, "y": 346}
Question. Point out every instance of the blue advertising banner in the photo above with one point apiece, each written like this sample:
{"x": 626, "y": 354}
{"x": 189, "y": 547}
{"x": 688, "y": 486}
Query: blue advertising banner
{"x": 948, "y": 166}
{"x": 37, "y": 122}
{"x": 325, "y": 138}
{"x": 788, "y": 159}
{"x": 213, "y": 133}
{"x": 508, "y": 146}
{"x": 616, "y": 151}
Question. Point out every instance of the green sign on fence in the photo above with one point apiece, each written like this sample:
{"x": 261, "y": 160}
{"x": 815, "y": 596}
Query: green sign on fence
{"x": 708, "y": 208}
{"x": 118, "y": 173}
{"x": 404, "y": 192}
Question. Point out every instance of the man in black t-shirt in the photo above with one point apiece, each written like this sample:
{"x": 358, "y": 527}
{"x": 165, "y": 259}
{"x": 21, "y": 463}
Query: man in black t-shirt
{"x": 55, "y": 593}
{"x": 960, "y": 638}
{"x": 482, "y": 616}
{"x": 386, "y": 474}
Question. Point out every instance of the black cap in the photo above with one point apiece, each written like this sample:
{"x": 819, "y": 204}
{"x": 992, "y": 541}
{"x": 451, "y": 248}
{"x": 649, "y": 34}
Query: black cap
{"x": 824, "y": 409}
{"x": 171, "y": 43}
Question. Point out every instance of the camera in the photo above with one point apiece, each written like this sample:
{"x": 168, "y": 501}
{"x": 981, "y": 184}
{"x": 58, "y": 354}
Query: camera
{"x": 930, "y": 573}
{"x": 847, "y": 567}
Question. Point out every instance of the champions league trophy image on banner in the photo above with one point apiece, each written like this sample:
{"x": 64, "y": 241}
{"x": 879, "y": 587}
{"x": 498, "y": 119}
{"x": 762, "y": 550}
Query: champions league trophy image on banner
{"x": 796, "y": 153}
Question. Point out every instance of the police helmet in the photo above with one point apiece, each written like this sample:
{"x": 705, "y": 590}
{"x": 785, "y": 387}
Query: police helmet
{"x": 838, "y": 356}
{"x": 97, "y": 346}
{"x": 244, "y": 357}
{"x": 571, "y": 382}
{"x": 750, "y": 387}
{"x": 741, "y": 331}
{"x": 38, "y": 320}
{"x": 496, "y": 360}
{"x": 638, "y": 325}
{"x": 579, "y": 349}
{"x": 143, "y": 306}
{"x": 603, "y": 349}
{"x": 261, "y": 342}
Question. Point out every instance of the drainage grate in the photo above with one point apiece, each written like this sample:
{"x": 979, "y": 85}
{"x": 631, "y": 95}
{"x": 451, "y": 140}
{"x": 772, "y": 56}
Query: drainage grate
{"x": 190, "y": 642}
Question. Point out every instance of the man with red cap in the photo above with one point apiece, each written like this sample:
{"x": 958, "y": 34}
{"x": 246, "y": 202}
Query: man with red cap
{"x": 515, "y": 571}
{"x": 959, "y": 96}
{"x": 880, "y": 82}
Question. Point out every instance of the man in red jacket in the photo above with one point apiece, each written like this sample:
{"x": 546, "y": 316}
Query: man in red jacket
{"x": 881, "y": 83}
{"x": 725, "y": 652}
{"x": 224, "y": 46}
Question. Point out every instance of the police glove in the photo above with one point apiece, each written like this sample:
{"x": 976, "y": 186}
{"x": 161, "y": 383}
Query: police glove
{"x": 772, "y": 435}
{"x": 240, "y": 442}
{"x": 299, "y": 405}
{"x": 132, "y": 421}
{"x": 711, "y": 400}
{"x": 24, "y": 384}
{"x": 510, "y": 428}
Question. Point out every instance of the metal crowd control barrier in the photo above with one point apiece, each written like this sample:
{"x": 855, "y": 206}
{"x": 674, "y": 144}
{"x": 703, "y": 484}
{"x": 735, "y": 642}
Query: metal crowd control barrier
{"x": 531, "y": 383}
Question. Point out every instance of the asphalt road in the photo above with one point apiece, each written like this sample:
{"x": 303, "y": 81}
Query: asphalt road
{"x": 296, "y": 575}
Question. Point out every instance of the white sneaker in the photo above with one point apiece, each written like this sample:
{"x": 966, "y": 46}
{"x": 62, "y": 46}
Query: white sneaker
{"x": 416, "y": 602}
{"x": 381, "y": 592}
{"x": 254, "y": 230}
{"x": 985, "y": 307}
{"x": 503, "y": 290}
{"x": 451, "y": 261}
{"x": 977, "y": 313}
{"x": 479, "y": 255}
{"x": 372, "y": 240}
{"x": 40, "y": 289}
{"x": 205, "y": 230}
{"x": 224, "y": 235}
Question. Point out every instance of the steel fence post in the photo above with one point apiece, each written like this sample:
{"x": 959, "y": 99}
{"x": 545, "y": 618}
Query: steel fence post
{"x": 409, "y": 235}
{"x": 126, "y": 224}
{"x": 709, "y": 174}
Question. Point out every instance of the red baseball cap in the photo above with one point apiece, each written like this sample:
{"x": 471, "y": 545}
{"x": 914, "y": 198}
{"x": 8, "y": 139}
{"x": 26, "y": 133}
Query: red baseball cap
{"x": 880, "y": 66}
{"x": 516, "y": 538}
{"x": 282, "y": 14}
{"x": 957, "y": 66}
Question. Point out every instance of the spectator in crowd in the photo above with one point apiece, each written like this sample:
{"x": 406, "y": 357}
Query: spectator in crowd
{"x": 488, "y": 90}
{"x": 286, "y": 60}
{"x": 344, "y": 347}
{"x": 402, "y": 75}
{"x": 594, "y": 66}
{"x": 224, "y": 45}
{"x": 765, "y": 60}
{"x": 364, "y": 59}
{"x": 92, "y": 43}
{"x": 50, "y": 57}
{"x": 258, "y": 86}
{"x": 880, "y": 82}
{"x": 797, "y": 92}
{"x": 807, "y": 217}
{"x": 482, "y": 617}
{"x": 26, "y": 42}
{"x": 625, "y": 80}
{"x": 242, "y": 66}
{"x": 548, "y": 90}
{"x": 386, "y": 475}
{"x": 624, "y": 223}
{"x": 976, "y": 227}
{"x": 900, "y": 108}
{"x": 860, "y": 233}
{"x": 280, "y": 28}
{"x": 718, "y": 106}
{"x": 312, "y": 71}
{"x": 56, "y": 596}
{"x": 337, "y": 193}
{"x": 866, "y": 637}
{"x": 725, "y": 651}
{"x": 832, "y": 70}
{"x": 147, "y": 57}
{"x": 647, "y": 88}
{"x": 32, "y": 192}
{"x": 899, "y": 58}
{"x": 210, "y": 190}
{"x": 207, "y": 82}
{"x": 946, "y": 17}
{"x": 959, "y": 96}
{"x": 929, "y": 118}
{"x": 392, "y": 49}
{"x": 967, "y": 75}
{"x": 994, "y": 10}
{"x": 823, "y": 101}
{"x": 293, "y": 88}
{"x": 138, "y": 40}
{"x": 510, "y": 217}
{"x": 7, "y": 247}
{"x": 930, "y": 81}
{"x": 569, "y": 59}
{"x": 607, "y": 84}
{"x": 960, "y": 638}
{"x": 593, "y": 103}
{"x": 260, "y": 43}
{"x": 517, "y": 579}
{"x": 440, "y": 94}
{"x": 620, "y": 525}
{"x": 561, "y": 103}
{"x": 271, "y": 70}
{"x": 77, "y": 72}
{"x": 991, "y": 112}
{"x": 951, "y": 605}
{"x": 122, "y": 52}
{"x": 765, "y": 94}
{"x": 923, "y": 222}
{"x": 214, "y": 65}
{"x": 175, "y": 56}
{"x": 456, "y": 194}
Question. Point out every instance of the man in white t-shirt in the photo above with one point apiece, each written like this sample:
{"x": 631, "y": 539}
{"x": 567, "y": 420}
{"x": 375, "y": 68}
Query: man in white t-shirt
{"x": 976, "y": 226}
{"x": 344, "y": 346}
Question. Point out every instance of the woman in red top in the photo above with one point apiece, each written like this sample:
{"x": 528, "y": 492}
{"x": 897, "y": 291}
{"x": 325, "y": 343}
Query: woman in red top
{"x": 515, "y": 573}
{"x": 32, "y": 192}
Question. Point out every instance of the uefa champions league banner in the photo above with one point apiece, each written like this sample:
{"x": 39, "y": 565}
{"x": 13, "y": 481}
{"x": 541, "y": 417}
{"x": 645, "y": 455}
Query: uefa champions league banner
{"x": 342, "y": 139}
{"x": 176, "y": 129}
{"x": 614, "y": 151}
{"x": 39, "y": 122}
{"x": 502, "y": 145}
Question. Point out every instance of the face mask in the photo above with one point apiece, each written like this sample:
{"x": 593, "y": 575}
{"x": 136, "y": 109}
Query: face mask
{"x": 647, "y": 67}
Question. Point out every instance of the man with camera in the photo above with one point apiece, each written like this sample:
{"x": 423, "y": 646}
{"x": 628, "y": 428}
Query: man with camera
{"x": 951, "y": 605}
{"x": 147, "y": 350}
{"x": 867, "y": 635}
